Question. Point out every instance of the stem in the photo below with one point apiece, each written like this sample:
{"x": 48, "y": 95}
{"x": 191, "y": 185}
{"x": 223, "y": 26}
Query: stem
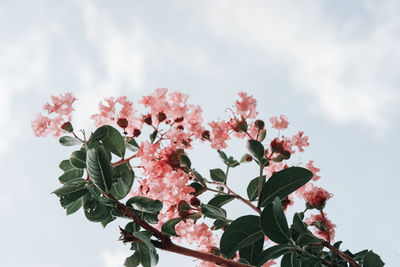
{"x": 122, "y": 161}
{"x": 327, "y": 230}
{"x": 171, "y": 247}
{"x": 260, "y": 184}
{"x": 226, "y": 174}
{"x": 327, "y": 263}
{"x": 341, "y": 254}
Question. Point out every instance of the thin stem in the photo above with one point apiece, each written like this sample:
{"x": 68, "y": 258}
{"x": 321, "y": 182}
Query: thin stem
{"x": 260, "y": 184}
{"x": 226, "y": 174}
{"x": 122, "y": 161}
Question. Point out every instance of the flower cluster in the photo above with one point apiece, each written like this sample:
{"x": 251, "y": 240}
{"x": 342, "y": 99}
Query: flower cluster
{"x": 62, "y": 109}
{"x": 174, "y": 125}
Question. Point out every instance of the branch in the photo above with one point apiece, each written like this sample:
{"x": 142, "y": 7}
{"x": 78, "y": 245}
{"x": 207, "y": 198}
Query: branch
{"x": 165, "y": 242}
{"x": 341, "y": 254}
{"x": 171, "y": 247}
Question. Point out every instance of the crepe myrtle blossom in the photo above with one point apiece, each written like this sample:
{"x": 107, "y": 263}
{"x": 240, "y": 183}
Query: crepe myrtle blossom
{"x": 324, "y": 228}
{"x": 59, "y": 113}
{"x": 165, "y": 128}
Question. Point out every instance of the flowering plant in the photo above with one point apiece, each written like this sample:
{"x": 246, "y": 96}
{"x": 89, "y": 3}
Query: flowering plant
{"x": 149, "y": 179}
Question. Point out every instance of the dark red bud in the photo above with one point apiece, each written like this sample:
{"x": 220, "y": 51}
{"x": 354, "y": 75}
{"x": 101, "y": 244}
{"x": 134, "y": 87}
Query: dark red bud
{"x": 67, "y": 127}
{"x": 205, "y": 135}
{"x": 259, "y": 124}
{"x": 180, "y": 119}
{"x": 195, "y": 202}
{"x": 136, "y": 132}
{"x": 276, "y": 145}
{"x": 122, "y": 122}
{"x": 161, "y": 116}
{"x": 148, "y": 120}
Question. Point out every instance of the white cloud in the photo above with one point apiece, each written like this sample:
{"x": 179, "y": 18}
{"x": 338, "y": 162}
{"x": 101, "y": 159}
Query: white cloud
{"x": 347, "y": 64}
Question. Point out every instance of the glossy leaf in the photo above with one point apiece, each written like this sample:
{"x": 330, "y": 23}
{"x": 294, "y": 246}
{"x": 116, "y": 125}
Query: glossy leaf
{"x": 217, "y": 175}
{"x": 273, "y": 222}
{"x": 241, "y": 233}
{"x": 250, "y": 253}
{"x": 78, "y": 159}
{"x": 132, "y": 145}
{"x": 133, "y": 260}
{"x": 74, "y": 206}
{"x": 169, "y": 226}
{"x": 69, "y": 141}
{"x": 252, "y": 188}
{"x": 146, "y": 250}
{"x": 220, "y": 200}
{"x": 256, "y": 150}
{"x": 372, "y": 260}
{"x": 70, "y": 172}
{"x": 145, "y": 204}
{"x": 290, "y": 260}
{"x": 271, "y": 253}
{"x": 111, "y": 138}
{"x": 213, "y": 212}
{"x": 99, "y": 168}
{"x": 283, "y": 183}
{"x": 94, "y": 210}
{"x": 123, "y": 177}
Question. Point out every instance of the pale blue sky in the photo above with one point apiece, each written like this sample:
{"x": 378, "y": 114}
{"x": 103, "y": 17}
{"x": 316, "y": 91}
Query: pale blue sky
{"x": 332, "y": 67}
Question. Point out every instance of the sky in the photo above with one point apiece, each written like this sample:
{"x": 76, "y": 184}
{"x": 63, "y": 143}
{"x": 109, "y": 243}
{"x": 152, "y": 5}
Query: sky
{"x": 332, "y": 67}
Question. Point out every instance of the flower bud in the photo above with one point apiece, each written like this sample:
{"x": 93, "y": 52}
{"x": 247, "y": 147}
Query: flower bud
{"x": 122, "y": 122}
{"x": 148, "y": 120}
{"x": 205, "y": 135}
{"x": 242, "y": 126}
{"x": 195, "y": 202}
{"x": 276, "y": 145}
{"x": 246, "y": 158}
{"x": 136, "y": 132}
{"x": 161, "y": 116}
{"x": 67, "y": 127}
{"x": 259, "y": 124}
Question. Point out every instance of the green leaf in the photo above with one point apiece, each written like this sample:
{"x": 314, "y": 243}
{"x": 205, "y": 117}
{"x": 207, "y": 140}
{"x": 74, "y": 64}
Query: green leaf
{"x": 132, "y": 145}
{"x": 186, "y": 161}
{"x": 70, "y": 187}
{"x": 123, "y": 178}
{"x": 74, "y": 206}
{"x": 223, "y": 156}
{"x": 372, "y": 260}
{"x": 213, "y": 212}
{"x": 241, "y": 233}
{"x": 220, "y": 200}
{"x": 146, "y": 250}
{"x": 153, "y": 136}
{"x": 307, "y": 238}
{"x": 271, "y": 253}
{"x": 107, "y": 220}
{"x": 111, "y": 138}
{"x": 133, "y": 260}
{"x": 252, "y": 188}
{"x": 69, "y": 141}
{"x": 217, "y": 175}
{"x": 132, "y": 227}
{"x": 218, "y": 224}
{"x": 273, "y": 222}
{"x": 145, "y": 204}
{"x": 283, "y": 183}
{"x": 298, "y": 225}
{"x": 70, "y": 172}
{"x": 250, "y": 253}
{"x": 290, "y": 260}
{"x": 169, "y": 226}
{"x": 99, "y": 168}
{"x": 256, "y": 150}
{"x": 94, "y": 210}
{"x": 78, "y": 159}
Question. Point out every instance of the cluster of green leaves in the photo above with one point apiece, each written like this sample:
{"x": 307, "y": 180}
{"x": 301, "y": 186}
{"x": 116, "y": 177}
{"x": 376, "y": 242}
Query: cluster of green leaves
{"x": 297, "y": 245}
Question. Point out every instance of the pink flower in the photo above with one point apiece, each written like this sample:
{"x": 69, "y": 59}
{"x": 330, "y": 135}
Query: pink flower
{"x": 247, "y": 106}
{"x": 279, "y": 124}
{"x": 299, "y": 140}
{"x": 324, "y": 227}
{"x": 316, "y": 197}
{"x": 301, "y": 190}
{"x": 269, "y": 263}
{"x": 273, "y": 167}
{"x": 219, "y": 134}
{"x": 310, "y": 166}
{"x": 62, "y": 106}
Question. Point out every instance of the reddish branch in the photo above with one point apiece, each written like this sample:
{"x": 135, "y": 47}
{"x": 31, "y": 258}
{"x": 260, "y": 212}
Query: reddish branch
{"x": 341, "y": 254}
{"x": 165, "y": 242}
